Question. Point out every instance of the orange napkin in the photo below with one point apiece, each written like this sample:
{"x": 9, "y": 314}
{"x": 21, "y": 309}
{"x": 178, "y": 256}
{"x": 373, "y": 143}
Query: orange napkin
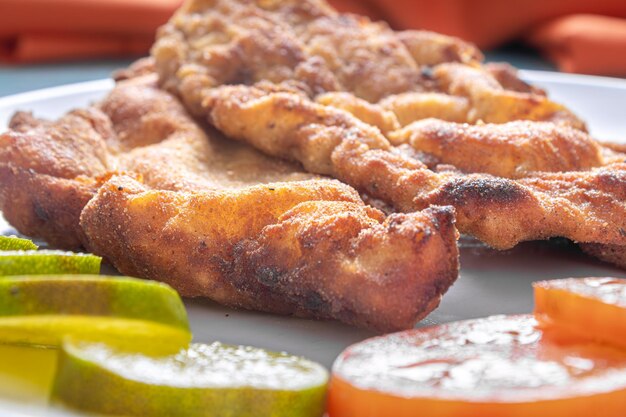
{"x": 587, "y": 44}
{"x": 44, "y": 30}
{"x": 487, "y": 23}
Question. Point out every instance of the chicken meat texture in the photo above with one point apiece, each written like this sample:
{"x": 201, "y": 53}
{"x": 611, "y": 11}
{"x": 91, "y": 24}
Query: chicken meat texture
{"x": 136, "y": 180}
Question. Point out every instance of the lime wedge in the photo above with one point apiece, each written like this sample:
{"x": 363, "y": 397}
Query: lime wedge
{"x": 26, "y": 373}
{"x": 204, "y": 380}
{"x": 42, "y": 309}
{"x": 32, "y": 262}
{"x": 16, "y": 243}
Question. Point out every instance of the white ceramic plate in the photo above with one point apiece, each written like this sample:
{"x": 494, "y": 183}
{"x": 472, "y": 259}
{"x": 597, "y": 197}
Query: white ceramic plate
{"x": 490, "y": 283}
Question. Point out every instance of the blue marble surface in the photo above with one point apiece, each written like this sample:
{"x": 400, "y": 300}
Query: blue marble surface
{"x": 20, "y": 78}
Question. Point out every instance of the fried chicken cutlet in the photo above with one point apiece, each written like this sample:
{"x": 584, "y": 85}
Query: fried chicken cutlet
{"x": 585, "y": 206}
{"x": 515, "y": 165}
{"x": 308, "y": 45}
{"x": 136, "y": 180}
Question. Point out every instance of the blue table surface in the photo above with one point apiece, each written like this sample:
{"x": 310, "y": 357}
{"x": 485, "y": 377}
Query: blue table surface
{"x": 20, "y": 78}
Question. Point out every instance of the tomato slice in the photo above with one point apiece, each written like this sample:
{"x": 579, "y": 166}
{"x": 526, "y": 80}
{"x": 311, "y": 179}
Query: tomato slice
{"x": 587, "y": 308}
{"x": 497, "y": 366}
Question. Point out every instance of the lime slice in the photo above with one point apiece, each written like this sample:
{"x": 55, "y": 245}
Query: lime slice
{"x": 26, "y": 373}
{"x": 42, "y": 309}
{"x": 16, "y": 243}
{"x": 204, "y": 380}
{"x": 32, "y": 262}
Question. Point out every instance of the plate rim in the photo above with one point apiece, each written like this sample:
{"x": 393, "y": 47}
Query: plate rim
{"x": 569, "y": 78}
{"x": 104, "y": 84}
{"x": 94, "y": 86}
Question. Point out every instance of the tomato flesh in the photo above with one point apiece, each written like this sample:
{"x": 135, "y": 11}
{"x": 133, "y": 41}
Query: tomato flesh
{"x": 587, "y": 308}
{"x": 498, "y": 366}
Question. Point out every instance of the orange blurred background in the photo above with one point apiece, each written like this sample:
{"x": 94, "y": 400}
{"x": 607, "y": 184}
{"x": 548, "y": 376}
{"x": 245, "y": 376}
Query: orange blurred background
{"x": 577, "y": 35}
